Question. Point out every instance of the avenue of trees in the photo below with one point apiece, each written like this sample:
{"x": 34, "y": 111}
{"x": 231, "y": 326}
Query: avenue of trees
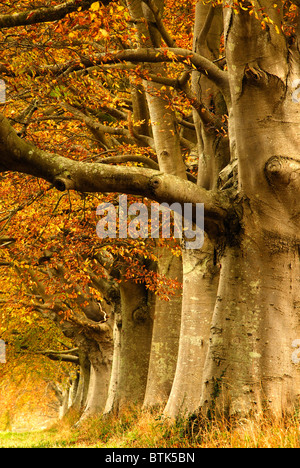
{"x": 167, "y": 101}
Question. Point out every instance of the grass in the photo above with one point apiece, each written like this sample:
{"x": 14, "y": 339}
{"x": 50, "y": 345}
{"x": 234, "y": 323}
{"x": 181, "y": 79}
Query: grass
{"x": 148, "y": 429}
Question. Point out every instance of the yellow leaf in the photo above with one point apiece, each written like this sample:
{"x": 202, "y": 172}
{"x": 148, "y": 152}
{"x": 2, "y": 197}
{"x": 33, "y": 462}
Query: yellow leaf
{"x": 277, "y": 29}
{"x": 104, "y": 32}
{"x": 95, "y": 6}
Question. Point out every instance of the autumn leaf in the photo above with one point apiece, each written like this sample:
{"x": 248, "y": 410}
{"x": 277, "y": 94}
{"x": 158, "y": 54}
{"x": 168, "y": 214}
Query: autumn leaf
{"x": 95, "y": 6}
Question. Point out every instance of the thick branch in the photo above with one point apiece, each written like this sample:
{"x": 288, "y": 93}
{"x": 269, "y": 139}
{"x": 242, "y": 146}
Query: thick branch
{"x": 202, "y": 64}
{"x": 6, "y": 240}
{"x": 46, "y": 14}
{"x": 130, "y": 158}
{"x": 283, "y": 172}
{"x": 20, "y": 156}
{"x": 64, "y": 356}
{"x": 159, "y": 55}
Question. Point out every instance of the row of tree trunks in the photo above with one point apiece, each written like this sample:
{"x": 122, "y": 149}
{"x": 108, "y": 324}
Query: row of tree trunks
{"x": 240, "y": 294}
{"x": 134, "y": 362}
{"x": 165, "y": 335}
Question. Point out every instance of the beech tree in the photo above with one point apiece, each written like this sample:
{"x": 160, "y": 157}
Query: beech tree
{"x": 216, "y": 83}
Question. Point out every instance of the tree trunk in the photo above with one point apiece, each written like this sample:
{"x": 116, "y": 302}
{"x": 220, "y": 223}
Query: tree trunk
{"x": 140, "y": 110}
{"x": 132, "y": 339}
{"x": 200, "y": 280}
{"x": 200, "y": 271}
{"x": 112, "y": 397}
{"x": 256, "y": 318}
{"x": 63, "y": 409}
{"x": 213, "y": 147}
{"x": 100, "y": 353}
{"x": 249, "y": 366}
{"x": 165, "y": 336}
{"x": 83, "y": 384}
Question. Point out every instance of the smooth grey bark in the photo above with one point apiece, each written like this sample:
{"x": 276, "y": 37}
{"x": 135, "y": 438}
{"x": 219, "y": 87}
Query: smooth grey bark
{"x": 113, "y": 395}
{"x": 100, "y": 356}
{"x": 165, "y": 336}
{"x": 80, "y": 397}
{"x": 134, "y": 341}
{"x": 200, "y": 282}
{"x": 213, "y": 147}
{"x": 200, "y": 271}
{"x": 249, "y": 366}
{"x": 256, "y": 317}
{"x": 163, "y": 119}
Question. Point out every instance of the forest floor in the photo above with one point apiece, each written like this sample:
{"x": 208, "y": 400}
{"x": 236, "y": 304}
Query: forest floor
{"x": 148, "y": 429}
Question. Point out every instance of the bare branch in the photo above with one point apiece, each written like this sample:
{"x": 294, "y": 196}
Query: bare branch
{"x": 130, "y": 158}
{"x": 6, "y": 240}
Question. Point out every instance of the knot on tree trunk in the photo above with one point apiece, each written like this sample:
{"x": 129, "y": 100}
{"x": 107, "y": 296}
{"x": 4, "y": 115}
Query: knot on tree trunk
{"x": 283, "y": 171}
{"x": 64, "y": 182}
{"x": 140, "y": 314}
{"x": 154, "y": 184}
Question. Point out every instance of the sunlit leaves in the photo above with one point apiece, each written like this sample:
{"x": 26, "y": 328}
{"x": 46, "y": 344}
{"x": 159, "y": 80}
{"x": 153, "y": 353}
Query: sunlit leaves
{"x": 179, "y": 18}
{"x": 95, "y": 6}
